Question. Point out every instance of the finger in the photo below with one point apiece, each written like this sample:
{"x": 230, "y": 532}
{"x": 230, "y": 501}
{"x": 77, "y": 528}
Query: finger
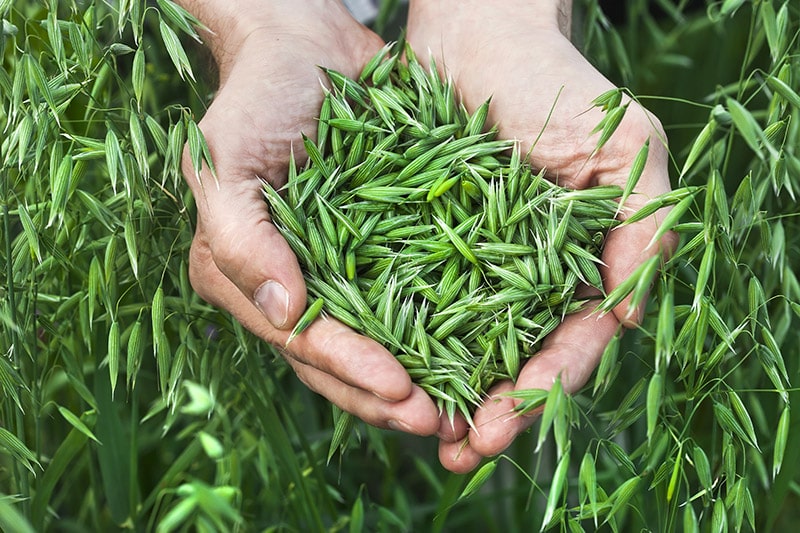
{"x": 415, "y": 414}
{"x": 327, "y": 344}
{"x": 571, "y": 352}
{"x": 335, "y": 349}
{"x": 233, "y": 220}
{"x": 627, "y": 247}
{"x": 458, "y": 457}
{"x": 452, "y": 430}
{"x": 624, "y": 250}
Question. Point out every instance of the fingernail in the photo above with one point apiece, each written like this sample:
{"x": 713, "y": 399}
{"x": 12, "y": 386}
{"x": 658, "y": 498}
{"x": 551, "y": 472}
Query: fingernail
{"x": 273, "y": 301}
{"x": 397, "y": 425}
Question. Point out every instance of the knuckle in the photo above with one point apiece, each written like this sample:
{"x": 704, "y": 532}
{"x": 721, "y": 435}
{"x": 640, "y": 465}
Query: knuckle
{"x": 641, "y": 124}
{"x": 227, "y": 250}
{"x": 301, "y": 370}
{"x": 236, "y": 240}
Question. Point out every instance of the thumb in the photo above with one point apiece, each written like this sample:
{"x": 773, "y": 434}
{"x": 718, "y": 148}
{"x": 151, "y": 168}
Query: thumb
{"x": 247, "y": 248}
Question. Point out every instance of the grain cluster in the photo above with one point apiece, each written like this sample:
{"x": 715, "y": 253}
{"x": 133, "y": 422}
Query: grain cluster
{"x": 417, "y": 227}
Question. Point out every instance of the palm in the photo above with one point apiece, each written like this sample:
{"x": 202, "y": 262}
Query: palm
{"x": 269, "y": 96}
{"x": 542, "y": 91}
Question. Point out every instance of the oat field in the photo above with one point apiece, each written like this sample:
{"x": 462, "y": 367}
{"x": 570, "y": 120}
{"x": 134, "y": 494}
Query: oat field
{"x": 126, "y": 402}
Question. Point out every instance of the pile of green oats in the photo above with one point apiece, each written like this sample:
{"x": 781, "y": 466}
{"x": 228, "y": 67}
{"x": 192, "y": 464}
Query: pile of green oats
{"x": 418, "y": 228}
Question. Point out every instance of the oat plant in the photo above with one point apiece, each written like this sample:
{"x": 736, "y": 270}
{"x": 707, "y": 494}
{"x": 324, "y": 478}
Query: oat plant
{"x": 125, "y": 402}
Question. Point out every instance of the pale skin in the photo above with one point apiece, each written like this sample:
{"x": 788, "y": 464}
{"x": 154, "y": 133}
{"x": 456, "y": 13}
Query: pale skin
{"x": 514, "y": 51}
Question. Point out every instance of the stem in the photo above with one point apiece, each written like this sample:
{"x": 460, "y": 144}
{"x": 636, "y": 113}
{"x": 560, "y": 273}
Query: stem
{"x": 20, "y": 474}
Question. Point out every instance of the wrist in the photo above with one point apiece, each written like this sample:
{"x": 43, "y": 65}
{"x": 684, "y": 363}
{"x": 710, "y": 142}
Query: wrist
{"x": 231, "y": 23}
{"x": 225, "y": 29}
{"x": 543, "y": 14}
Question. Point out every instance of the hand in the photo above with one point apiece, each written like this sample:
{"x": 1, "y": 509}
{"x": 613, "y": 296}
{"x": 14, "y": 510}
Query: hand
{"x": 516, "y": 53}
{"x": 268, "y": 55}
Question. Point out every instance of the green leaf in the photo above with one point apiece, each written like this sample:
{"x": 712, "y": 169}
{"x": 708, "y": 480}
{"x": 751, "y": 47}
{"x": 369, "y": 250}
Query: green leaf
{"x": 744, "y": 417}
{"x": 311, "y": 313}
{"x": 175, "y": 50}
{"x": 113, "y": 355}
{"x": 623, "y": 495}
{"x": 676, "y": 471}
{"x": 552, "y": 408}
{"x": 699, "y": 146}
{"x": 211, "y": 445}
{"x": 746, "y": 125}
{"x": 157, "y": 313}
{"x": 134, "y": 353}
{"x": 704, "y": 273}
{"x": 588, "y": 478}
{"x": 30, "y": 232}
{"x": 671, "y": 219}
{"x": 728, "y": 422}
{"x": 181, "y": 18}
{"x": 138, "y": 74}
{"x": 776, "y": 34}
{"x": 719, "y": 518}
{"x": 113, "y": 157}
{"x": 357, "y": 516}
{"x": 702, "y": 467}
{"x": 673, "y": 197}
{"x": 17, "y": 449}
{"x": 343, "y": 426}
{"x": 637, "y": 284}
{"x": 116, "y": 458}
{"x": 139, "y": 145}
{"x": 11, "y": 383}
{"x": 177, "y": 515}
{"x": 781, "y": 438}
{"x": 66, "y": 452}
{"x": 198, "y": 150}
{"x": 83, "y": 391}
{"x": 60, "y": 182}
{"x": 478, "y": 479}
{"x": 609, "y": 125}
{"x": 76, "y": 422}
{"x": 729, "y": 7}
{"x": 157, "y": 133}
{"x": 557, "y": 487}
{"x": 25, "y": 131}
{"x": 10, "y": 518}
{"x": 655, "y": 394}
{"x": 665, "y": 329}
{"x": 637, "y": 168}
{"x": 690, "y": 524}
{"x": 201, "y": 402}
{"x": 5, "y": 5}
{"x": 608, "y": 365}
{"x": 37, "y": 81}
{"x": 131, "y": 246}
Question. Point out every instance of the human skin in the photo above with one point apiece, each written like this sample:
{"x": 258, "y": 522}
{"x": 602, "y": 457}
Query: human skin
{"x": 519, "y": 54}
{"x": 268, "y": 55}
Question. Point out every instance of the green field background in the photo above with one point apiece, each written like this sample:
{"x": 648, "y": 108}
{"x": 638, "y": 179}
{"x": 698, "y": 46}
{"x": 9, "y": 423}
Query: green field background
{"x": 127, "y": 403}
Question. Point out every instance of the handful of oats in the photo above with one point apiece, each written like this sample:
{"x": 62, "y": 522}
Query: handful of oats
{"x": 421, "y": 230}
